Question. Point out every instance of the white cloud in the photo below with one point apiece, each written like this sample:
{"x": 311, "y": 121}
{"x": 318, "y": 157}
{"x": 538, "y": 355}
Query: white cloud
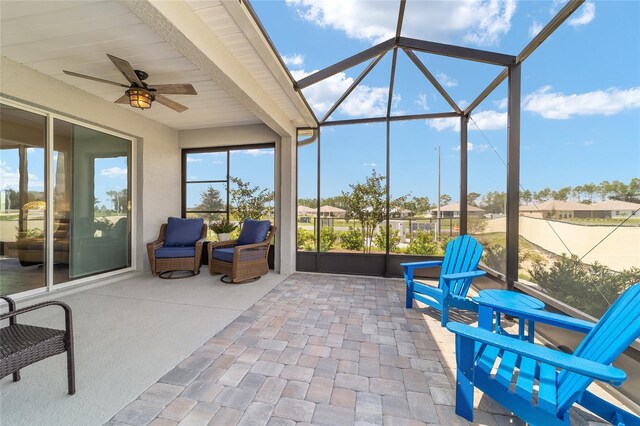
{"x": 364, "y": 101}
{"x": 114, "y": 172}
{"x": 422, "y": 102}
{"x": 257, "y": 152}
{"x": 535, "y": 28}
{"x": 11, "y": 180}
{"x": 502, "y": 103}
{"x": 486, "y": 120}
{"x": 588, "y": 14}
{"x": 193, "y": 160}
{"x": 472, "y": 147}
{"x": 295, "y": 60}
{"x": 558, "y": 106}
{"x": 441, "y": 124}
{"x": 489, "y": 120}
{"x": 445, "y": 80}
{"x": 481, "y": 22}
{"x": 370, "y": 165}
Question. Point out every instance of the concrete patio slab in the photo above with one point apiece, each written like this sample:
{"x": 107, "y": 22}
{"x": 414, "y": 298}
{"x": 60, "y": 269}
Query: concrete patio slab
{"x": 129, "y": 335}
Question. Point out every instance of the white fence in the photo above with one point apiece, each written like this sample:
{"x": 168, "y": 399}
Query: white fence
{"x": 620, "y": 250}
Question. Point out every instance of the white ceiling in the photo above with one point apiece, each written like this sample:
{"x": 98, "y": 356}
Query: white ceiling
{"x": 50, "y": 36}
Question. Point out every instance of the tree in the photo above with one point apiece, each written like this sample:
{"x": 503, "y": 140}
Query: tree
{"x": 472, "y": 197}
{"x": 210, "y": 200}
{"x": 494, "y": 201}
{"x": 417, "y": 205}
{"x": 249, "y": 202}
{"x": 588, "y": 190}
{"x": 562, "y": 194}
{"x": 526, "y": 196}
{"x": 542, "y": 195}
{"x": 114, "y": 200}
{"x": 445, "y": 199}
{"x": 366, "y": 203}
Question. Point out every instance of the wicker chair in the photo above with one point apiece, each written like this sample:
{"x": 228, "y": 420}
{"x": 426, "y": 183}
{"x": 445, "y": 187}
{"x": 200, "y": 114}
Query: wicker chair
{"x": 165, "y": 266}
{"x": 22, "y": 345}
{"x": 249, "y": 261}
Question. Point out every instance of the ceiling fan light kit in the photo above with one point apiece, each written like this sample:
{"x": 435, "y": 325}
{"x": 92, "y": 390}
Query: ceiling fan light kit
{"x": 140, "y": 94}
{"x": 139, "y": 98}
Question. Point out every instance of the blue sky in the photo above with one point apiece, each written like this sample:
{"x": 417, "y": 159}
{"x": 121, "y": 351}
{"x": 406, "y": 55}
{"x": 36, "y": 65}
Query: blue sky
{"x": 580, "y": 92}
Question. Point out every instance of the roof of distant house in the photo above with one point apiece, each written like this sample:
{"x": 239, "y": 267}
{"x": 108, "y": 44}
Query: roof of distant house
{"x": 558, "y": 205}
{"x": 305, "y": 209}
{"x": 331, "y": 209}
{"x": 455, "y": 207}
{"x": 615, "y": 205}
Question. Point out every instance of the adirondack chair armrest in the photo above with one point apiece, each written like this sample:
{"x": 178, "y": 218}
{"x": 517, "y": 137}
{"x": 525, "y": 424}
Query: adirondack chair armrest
{"x": 462, "y": 275}
{"x": 557, "y": 320}
{"x": 410, "y": 267}
{"x": 605, "y": 373}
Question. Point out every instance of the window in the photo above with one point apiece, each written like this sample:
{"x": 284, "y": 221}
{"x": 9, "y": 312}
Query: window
{"x": 229, "y": 183}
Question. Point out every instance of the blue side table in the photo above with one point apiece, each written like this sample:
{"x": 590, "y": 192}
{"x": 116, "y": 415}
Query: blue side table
{"x": 507, "y": 302}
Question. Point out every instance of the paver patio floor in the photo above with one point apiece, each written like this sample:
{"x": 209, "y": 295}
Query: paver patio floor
{"x": 318, "y": 349}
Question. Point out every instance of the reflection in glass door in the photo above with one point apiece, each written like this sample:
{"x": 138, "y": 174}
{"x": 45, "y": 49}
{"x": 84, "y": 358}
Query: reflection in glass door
{"x": 92, "y": 204}
{"x": 22, "y": 200}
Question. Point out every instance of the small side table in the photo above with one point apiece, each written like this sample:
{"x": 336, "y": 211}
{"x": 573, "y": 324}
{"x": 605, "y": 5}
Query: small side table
{"x": 508, "y": 303}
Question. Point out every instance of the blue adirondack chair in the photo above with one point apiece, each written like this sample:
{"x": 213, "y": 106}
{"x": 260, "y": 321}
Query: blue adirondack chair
{"x": 562, "y": 378}
{"x": 459, "y": 268}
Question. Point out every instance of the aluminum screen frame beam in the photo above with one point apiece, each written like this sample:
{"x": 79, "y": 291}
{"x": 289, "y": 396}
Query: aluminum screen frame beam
{"x": 392, "y": 118}
{"x": 544, "y": 34}
{"x": 351, "y": 88}
{"x": 464, "y": 172}
{"x": 345, "y": 64}
{"x": 513, "y": 174}
{"x": 418, "y": 63}
{"x": 456, "y": 51}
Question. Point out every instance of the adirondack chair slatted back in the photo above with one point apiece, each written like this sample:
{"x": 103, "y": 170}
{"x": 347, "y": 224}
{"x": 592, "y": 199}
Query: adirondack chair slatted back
{"x": 615, "y": 331}
{"x": 462, "y": 255}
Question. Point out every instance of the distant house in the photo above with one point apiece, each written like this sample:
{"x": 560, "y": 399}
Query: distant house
{"x": 453, "y": 210}
{"x": 556, "y": 209}
{"x": 306, "y": 211}
{"x": 400, "y": 213}
{"x": 330, "y": 211}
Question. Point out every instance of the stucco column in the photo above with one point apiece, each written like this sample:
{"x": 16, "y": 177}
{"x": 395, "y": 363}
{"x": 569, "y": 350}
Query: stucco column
{"x": 286, "y": 255}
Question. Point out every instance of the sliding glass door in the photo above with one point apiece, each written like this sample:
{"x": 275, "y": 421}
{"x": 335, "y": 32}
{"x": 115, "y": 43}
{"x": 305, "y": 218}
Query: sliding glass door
{"x": 81, "y": 188}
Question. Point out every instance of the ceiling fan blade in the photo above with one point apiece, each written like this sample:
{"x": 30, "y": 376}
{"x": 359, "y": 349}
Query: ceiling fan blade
{"x": 88, "y": 77}
{"x": 174, "y": 89}
{"x": 124, "y": 99}
{"x": 126, "y": 69}
{"x": 171, "y": 104}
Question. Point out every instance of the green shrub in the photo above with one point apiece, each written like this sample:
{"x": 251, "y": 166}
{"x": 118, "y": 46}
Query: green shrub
{"x": 422, "y": 243}
{"x": 589, "y": 288}
{"x": 352, "y": 239}
{"x": 306, "y": 240}
{"x": 328, "y": 238}
{"x": 380, "y": 239}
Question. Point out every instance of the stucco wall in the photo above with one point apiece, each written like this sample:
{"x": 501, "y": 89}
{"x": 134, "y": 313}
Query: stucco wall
{"x": 620, "y": 250}
{"x": 284, "y": 177}
{"x": 158, "y": 155}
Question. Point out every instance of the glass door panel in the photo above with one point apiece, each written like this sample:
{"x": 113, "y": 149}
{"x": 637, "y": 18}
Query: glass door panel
{"x": 92, "y": 204}
{"x": 22, "y": 200}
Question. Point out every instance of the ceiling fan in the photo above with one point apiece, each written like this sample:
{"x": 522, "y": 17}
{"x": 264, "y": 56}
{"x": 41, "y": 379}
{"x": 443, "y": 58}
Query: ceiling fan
{"x": 140, "y": 94}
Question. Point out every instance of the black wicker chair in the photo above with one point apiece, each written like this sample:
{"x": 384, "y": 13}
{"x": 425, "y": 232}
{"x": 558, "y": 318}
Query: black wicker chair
{"x": 22, "y": 345}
